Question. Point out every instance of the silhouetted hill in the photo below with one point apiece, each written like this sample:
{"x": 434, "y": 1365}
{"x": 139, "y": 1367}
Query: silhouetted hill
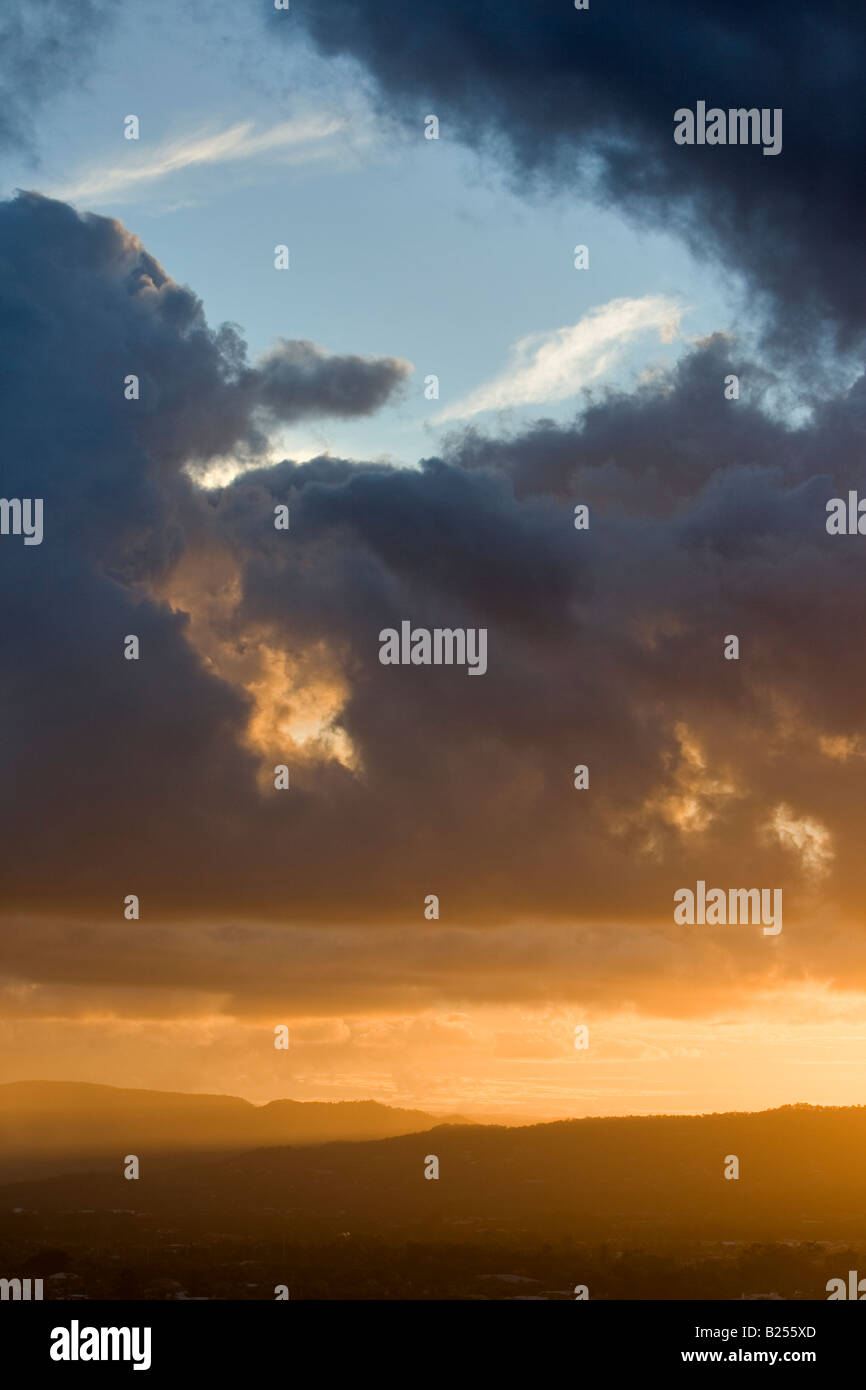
{"x": 635, "y": 1207}
{"x": 52, "y": 1126}
{"x": 647, "y": 1178}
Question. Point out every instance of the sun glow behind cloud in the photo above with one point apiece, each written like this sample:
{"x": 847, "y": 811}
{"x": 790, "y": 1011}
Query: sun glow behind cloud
{"x": 297, "y": 695}
{"x": 491, "y": 1062}
{"x": 298, "y": 701}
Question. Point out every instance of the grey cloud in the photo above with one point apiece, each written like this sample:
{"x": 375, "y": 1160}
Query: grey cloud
{"x": 297, "y": 380}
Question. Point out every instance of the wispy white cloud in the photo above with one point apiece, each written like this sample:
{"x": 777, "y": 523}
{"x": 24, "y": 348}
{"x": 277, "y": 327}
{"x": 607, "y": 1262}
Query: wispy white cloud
{"x": 300, "y": 140}
{"x": 553, "y": 366}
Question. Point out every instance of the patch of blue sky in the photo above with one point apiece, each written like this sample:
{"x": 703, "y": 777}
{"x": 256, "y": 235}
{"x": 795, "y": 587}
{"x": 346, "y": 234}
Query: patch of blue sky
{"x": 399, "y": 245}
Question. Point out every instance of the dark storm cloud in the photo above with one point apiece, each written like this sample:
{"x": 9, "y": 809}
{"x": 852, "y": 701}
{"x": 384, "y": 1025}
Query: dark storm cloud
{"x": 602, "y": 645}
{"x": 91, "y": 306}
{"x": 605, "y": 648}
{"x": 255, "y": 970}
{"x": 81, "y": 306}
{"x": 587, "y": 99}
{"x": 297, "y": 380}
{"x": 615, "y": 457}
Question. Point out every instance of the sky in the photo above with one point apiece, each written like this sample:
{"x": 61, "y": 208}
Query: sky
{"x": 394, "y": 239}
{"x": 305, "y": 387}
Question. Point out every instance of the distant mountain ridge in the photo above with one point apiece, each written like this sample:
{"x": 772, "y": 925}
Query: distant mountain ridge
{"x": 53, "y": 1126}
{"x": 633, "y": 1180}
